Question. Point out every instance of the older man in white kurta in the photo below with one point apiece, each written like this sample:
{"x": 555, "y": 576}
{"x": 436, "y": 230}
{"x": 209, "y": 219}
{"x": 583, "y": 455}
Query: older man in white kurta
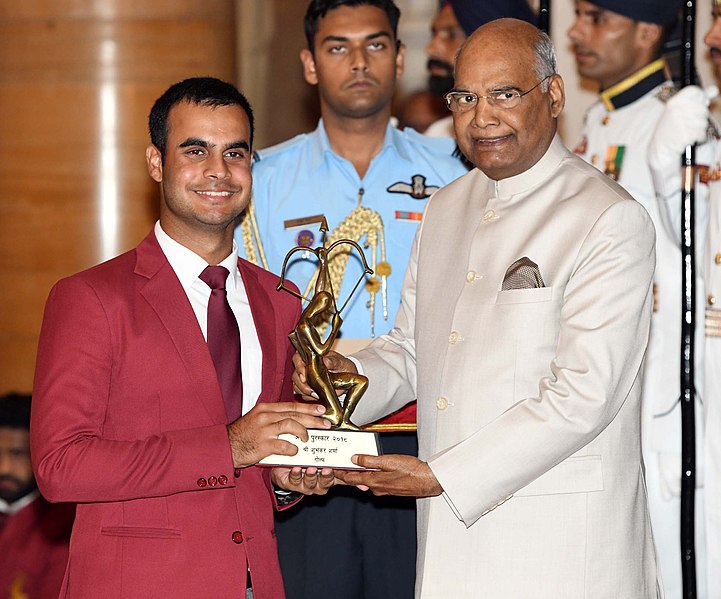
{"x": 523, "y": 327}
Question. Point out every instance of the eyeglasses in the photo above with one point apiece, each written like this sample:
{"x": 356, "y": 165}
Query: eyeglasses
{"x": 463, "y": 101}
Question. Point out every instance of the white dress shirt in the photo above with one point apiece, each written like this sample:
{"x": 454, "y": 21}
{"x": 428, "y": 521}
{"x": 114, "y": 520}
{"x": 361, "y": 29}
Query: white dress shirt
{"x": 188, "y": 266}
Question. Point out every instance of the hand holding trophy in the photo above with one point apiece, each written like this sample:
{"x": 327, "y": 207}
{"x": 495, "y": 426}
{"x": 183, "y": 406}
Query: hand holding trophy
{"x": 327, "y": 448}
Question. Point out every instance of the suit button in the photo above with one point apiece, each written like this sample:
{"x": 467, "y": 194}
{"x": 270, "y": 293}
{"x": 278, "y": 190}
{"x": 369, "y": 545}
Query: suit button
{"x": 236, "y": 472}
{"x": 711, "y": 299}
{"x": 717, "y": 259}
{"x": 454, "y": 338}
{"x": 237, "y": 537}
{"x": 212, "y": 481}
{"x": 222, "y": 479}
{"x": 472, "y": 276}
{"x": 442, "y": 403}
{"x": 202, "y": 482}
{"x": 490, "y": 216}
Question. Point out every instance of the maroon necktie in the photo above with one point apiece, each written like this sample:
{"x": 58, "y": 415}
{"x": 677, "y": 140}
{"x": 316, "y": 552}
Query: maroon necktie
{"x": 224, "y": 341}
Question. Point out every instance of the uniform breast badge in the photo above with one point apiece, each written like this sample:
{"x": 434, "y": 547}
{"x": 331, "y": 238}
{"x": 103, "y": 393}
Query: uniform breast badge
{"x": 712, "y": 322}
{"x": 613, "y": 162}
{"x": 417, "y": 188}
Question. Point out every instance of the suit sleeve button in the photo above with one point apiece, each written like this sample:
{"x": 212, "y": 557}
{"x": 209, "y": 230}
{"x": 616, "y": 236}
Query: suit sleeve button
{"x": 237, "y": 537}
{"x": 212, "y": 481}
{"x": 222, "y": 479}
{"x": 236, "y": 472}
{"x": 202, "y": 482}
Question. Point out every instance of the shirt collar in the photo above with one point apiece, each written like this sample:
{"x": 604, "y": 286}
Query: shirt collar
{"x": 540, "y": 171}
{"x": 16, "y": 506}
{"x": 320, "y": 144}
{"x": 634, "y": 86}
{"x": 188, "y": 265}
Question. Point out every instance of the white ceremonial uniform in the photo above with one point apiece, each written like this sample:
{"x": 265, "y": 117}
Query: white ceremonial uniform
{"x": 616, "y": 136}
{"x": 708, "y": 241}
{"x": 712, "y": 381}
{"x": 528, "y": 399}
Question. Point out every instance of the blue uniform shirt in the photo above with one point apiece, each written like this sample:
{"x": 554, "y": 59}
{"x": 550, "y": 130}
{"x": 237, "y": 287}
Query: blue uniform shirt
{"x": 303, "y": 178}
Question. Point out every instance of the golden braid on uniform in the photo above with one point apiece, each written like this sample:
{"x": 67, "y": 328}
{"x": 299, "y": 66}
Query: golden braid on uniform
{"x": 251, "y": 238}
{"x": 360, "y": 222}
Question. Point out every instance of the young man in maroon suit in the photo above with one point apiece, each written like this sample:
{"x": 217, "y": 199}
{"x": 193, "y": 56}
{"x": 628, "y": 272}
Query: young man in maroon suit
{"x": 130, "y": 419}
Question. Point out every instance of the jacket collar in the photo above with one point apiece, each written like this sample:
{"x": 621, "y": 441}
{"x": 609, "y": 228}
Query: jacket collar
{"x": 635, "y": 86}
{"x": 166, "y": 296}
{"x": 262, "y": 307}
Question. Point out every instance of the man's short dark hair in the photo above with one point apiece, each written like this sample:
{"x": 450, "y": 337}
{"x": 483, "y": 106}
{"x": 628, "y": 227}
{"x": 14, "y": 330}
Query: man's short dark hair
{"x": 15, "y": 411}
{"x": 206, "y": 91}
{"x": 318, "y": 9}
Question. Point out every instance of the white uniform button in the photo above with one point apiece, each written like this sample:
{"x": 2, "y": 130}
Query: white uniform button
{"x": 454, "y": 338}
{"x": 441, "y": 403}
{"x": 472, "y": 276}
{"x": 490, "y": 216}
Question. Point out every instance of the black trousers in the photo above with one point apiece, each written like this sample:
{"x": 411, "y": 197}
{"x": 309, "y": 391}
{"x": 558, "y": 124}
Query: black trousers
{"x": 351, "y": 544}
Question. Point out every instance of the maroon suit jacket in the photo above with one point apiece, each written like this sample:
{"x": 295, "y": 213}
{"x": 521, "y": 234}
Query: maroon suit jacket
{"x": 128, "y": 420}
{"x": 34, "y": 550}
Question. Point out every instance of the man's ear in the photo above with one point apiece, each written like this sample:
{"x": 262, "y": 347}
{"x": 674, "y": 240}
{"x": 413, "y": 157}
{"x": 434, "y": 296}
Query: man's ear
{"x": 649, "y": 34}
{"x": 155, "y": 163}
{"x": 557, "y": 93}
{"x": 400, "y": 59}
{"x": 306, "y": 57}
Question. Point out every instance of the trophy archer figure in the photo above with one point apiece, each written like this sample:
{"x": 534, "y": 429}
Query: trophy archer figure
{"x": 308, "y": 340}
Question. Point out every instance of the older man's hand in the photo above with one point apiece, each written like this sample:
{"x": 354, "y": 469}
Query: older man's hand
{"x": 333, "y": 361}
{"x": 393, "y": 475}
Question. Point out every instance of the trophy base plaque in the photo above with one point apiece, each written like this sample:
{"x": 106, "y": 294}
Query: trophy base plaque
{"x": 327, "y": 449}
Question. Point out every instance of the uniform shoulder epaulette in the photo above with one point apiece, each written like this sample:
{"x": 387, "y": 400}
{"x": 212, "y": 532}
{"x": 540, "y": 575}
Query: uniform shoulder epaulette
{"x": 264, "y": 153}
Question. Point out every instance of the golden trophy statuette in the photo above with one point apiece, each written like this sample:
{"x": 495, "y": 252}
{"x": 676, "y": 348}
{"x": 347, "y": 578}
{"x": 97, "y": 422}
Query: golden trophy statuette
{"x": 326, "y": 448}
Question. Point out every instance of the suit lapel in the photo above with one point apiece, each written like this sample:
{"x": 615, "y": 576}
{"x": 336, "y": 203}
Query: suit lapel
{"x": 166, "y": 296}
{"x": 264, "y": 318}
